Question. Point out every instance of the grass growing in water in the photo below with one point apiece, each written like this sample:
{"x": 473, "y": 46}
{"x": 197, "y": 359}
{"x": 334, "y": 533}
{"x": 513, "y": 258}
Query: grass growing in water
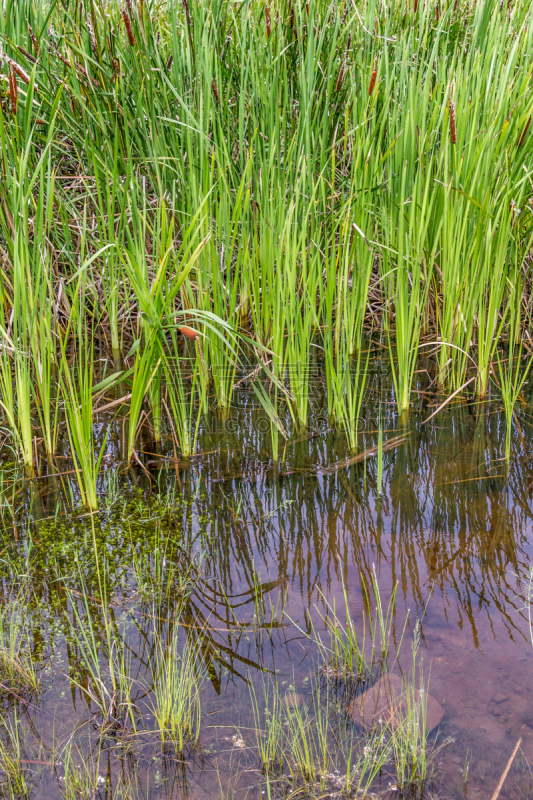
{"x": 348, "y": 656}
{"x": 380, "y": 179}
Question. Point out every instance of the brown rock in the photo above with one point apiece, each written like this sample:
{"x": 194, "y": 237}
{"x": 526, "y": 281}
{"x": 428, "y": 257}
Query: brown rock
{"x": 386, "y": 700}
{"x": 500, "y": 697}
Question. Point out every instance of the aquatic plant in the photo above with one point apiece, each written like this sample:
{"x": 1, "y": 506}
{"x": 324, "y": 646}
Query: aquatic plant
{"x": 354, "y": 194}
{"x": 304, "y": 746}
{"x": 13, "y": 783}
{"x": 512, "y": 375}
{"x": 349, "y": 656}
{"x": 17, "y": 664}
{"x": 177, "y": 682}
{"x": 408, "y": 730}
{"x": 102, "y": 673}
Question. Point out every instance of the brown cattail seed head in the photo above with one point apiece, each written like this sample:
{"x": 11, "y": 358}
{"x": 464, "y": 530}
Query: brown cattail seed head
{"x": 13, "y": 88}
{"x": 190, "y": 333}
{"x": 453, "y": 130}
{"x": 293, "y": 23}
{"x": 18, "y": 71}
{"x": 415, "y": 9}
{"x": 373, "y": 79}
{"x": 437, "y": 12}
{"x": 127, "y": 25}
{"x": 267, "y": 21}
{"x": 215, "y": 91}
{"x": 26, "y": 54}
{"x": 33, "y": 38}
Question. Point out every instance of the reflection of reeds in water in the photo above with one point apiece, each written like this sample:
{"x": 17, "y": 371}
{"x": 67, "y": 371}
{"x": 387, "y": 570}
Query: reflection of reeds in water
{"x": 448, "y": 512}
{"x": 170, "y": 607}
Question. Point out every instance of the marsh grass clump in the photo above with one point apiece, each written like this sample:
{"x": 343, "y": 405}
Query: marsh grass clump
{"x": 79, "y": 774}
{"x": 305, "y": 747}
{"x": 311, "y": 741}
{"x": 17, "y": 663}
{"x": 13, "y": 781}
{"x": 349, "y": 656}
{"x": 176, "y": 692}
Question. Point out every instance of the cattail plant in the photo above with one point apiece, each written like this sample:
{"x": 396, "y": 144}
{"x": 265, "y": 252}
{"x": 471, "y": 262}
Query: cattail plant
{"x": 215, "y": 91}
{"x": 267, "y": 21}
{"x": 127, "y": 25}
{"x": 34, "y": 41}
{"x": 341, "y": 76}
{"x": 17, "y": 69}
{"x": 187, "y": 13}
{"x": 343, "y": 66}
{"x": 194, "y": 336}
{"x": 92, "y": 37}
{"x": 293, "y": 23}
{"x": 13, "y": 88}
{"x": 373, "y": 79}
{"x": 453, "y": 128}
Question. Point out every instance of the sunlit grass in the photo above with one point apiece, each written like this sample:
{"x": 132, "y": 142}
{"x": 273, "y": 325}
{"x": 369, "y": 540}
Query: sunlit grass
{"x": 328, "y": 174}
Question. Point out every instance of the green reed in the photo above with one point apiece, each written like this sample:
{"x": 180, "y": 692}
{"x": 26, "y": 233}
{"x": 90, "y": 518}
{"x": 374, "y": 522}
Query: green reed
{"x": 16, "y": 661}
{"x": 13, "y": 782}
{"x": 303, "y": 743}
{"x": 351, "y": 655}
{"x": 304, "y": 182}
{"x": 177, "y": 682}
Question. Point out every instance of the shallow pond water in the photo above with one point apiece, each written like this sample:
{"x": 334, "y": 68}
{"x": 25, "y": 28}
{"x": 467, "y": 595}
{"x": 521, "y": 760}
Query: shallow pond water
{"x": 242, "y": 554}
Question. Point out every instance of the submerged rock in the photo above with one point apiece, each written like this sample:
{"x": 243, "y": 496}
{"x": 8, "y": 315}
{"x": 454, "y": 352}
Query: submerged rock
{"x": 386, "y": 701}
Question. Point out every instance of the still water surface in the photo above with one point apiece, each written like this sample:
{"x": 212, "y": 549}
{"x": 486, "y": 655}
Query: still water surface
{"x": 453, "y": 529}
